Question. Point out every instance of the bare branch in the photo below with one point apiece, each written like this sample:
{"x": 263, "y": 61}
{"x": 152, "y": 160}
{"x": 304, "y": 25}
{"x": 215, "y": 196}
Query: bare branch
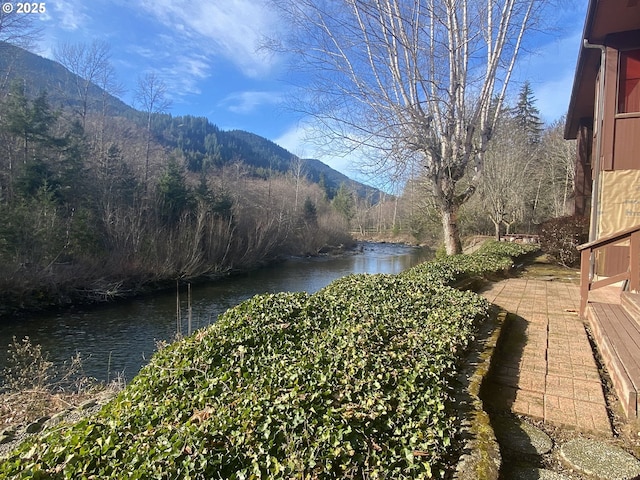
{"x": 18, "y": 29}
{"x": 90, "y": 65}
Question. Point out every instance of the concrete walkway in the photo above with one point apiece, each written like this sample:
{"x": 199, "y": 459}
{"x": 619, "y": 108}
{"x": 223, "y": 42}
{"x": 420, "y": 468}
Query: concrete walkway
{"x": 545, "y": 365}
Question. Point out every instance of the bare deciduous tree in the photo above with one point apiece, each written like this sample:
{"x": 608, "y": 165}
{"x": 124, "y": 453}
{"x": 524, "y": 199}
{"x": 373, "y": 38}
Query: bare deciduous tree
{"x": 559, "y": 164}
{"x": 90, "y": 66}
{"x": 298, "y": 173}
{"x": 16, "y": 29}
{"x": 507, "y": 171}
{"x": 414, "y": 81}
{"x": 151, "y": 96}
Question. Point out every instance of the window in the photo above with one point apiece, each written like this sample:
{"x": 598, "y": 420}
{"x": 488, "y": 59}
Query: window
{"x": 629, "y": 87}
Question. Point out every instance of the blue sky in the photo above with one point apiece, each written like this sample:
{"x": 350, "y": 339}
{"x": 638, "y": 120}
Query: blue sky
{"x": 206, "y": 51}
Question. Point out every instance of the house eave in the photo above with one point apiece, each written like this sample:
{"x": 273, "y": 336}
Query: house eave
{"x": 606, "y": 23}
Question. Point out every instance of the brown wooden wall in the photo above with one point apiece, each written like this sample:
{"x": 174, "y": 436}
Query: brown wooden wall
{"x": 626, "y": 143}
{"x": 583, "y": 175}
{"x": 620, "y": 132}
{"x": 609, "y": 111}
{"x": 620, "y": 151}
{"x": 612, "y": 260}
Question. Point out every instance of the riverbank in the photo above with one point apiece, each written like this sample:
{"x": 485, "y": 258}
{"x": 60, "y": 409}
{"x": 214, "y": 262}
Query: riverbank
{"x": 389, "y": 237}
{"x": 119, "y": 337}
{"x": 61, "y": 288}
{"x": 528, "y": 447}
{"x": 118, "y": 329}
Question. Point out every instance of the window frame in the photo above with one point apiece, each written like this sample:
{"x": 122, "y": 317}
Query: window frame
{"x": 622, "y": 107}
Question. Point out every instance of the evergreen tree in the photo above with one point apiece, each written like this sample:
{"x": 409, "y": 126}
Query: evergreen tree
{"x": 326, "y": 189}
{"x": 31, "y": 122}
{"x": 202, "y": 191}
{"x": 35, "y": 176}
{"x": 343, "y": 202}
{"x": 527, "y": 114}
{"x": 37, "y": 157}
{"x": 116, "y": 183}
{"x": 310, "y": 213}
{"x": 174, "y": 194}
{"x": 70, "y": 165}
{"x": 214, "y": 155}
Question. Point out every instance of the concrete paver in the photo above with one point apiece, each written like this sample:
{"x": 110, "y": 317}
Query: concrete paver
{"x": 521, "y": 436}
{"x": 606, "y": 462}
{"x": 546, "y": 368}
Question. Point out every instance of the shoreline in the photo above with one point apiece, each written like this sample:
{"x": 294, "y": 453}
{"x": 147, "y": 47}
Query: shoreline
{"x": 76, "y": 299}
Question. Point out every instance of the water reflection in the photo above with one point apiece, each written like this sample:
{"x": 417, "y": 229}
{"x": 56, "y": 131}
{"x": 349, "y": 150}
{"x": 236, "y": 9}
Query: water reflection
{"x": 120, "y": 338}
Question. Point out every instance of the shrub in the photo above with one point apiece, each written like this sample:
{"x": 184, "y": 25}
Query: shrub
{"x": 31, "y": 386}
{"x": 27, "y": 367}
{"x": 506, "y": 249}
{"x": 491, "y": 257}
{"x": 559, "y": 238}
{"x": 441, "y": 252}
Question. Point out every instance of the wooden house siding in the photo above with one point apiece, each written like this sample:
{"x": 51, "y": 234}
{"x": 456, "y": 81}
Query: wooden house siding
{"x": 626, "y": 144}
{"x": 609, "y": 112}
{"x": 583, "y": 175}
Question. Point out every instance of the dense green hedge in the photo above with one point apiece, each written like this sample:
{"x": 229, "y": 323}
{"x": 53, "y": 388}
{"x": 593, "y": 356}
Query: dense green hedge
{"x": 351, "y": 382}
{"x": 492, "y": 257}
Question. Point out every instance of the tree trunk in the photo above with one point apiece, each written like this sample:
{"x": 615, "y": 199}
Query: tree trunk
{"x": 497, "y": 229}
{"x": 452, "y": 243}
{"x": 508, "y": 225}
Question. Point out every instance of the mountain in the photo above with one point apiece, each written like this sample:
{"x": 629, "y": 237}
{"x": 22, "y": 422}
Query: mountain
{"x": 258, "y": 150}
{"x": 200, "y": 141}
{"x": 59, "y": 83}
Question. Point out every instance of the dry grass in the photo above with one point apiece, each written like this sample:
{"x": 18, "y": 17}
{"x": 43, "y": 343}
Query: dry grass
{"x": 32, "y": 387}
{"x": 20, "y": 408}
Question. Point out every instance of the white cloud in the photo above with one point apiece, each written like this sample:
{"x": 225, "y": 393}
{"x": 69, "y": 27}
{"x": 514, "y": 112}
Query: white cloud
{"x": 69, "y": 14}
{"x": 145, "y": 52}
{"x": 233, "y": 28}
{"x": 299, "y": 140}
{"x": 180, "y": 70}
{"x": 66, "y": 16}
{"x": 247, "y": 102}
{"x": 183, "y": 75}
{"x": 295, "y": 140}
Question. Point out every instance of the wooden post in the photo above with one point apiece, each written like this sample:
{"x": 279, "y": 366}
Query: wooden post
{"x": 585, "y": 279}
{"x": 634, "y": 259}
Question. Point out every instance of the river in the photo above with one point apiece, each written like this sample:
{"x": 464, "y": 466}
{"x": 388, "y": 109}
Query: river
{"x": 118, "y": 339}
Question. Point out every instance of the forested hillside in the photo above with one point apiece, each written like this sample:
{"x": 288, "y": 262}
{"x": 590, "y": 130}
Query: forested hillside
{"x": 98, "y": 200}
{"x": 202, "y": 142}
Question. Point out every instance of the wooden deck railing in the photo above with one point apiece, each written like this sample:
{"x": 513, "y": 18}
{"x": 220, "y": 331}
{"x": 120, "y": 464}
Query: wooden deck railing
{"x": 632, "y": 274}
